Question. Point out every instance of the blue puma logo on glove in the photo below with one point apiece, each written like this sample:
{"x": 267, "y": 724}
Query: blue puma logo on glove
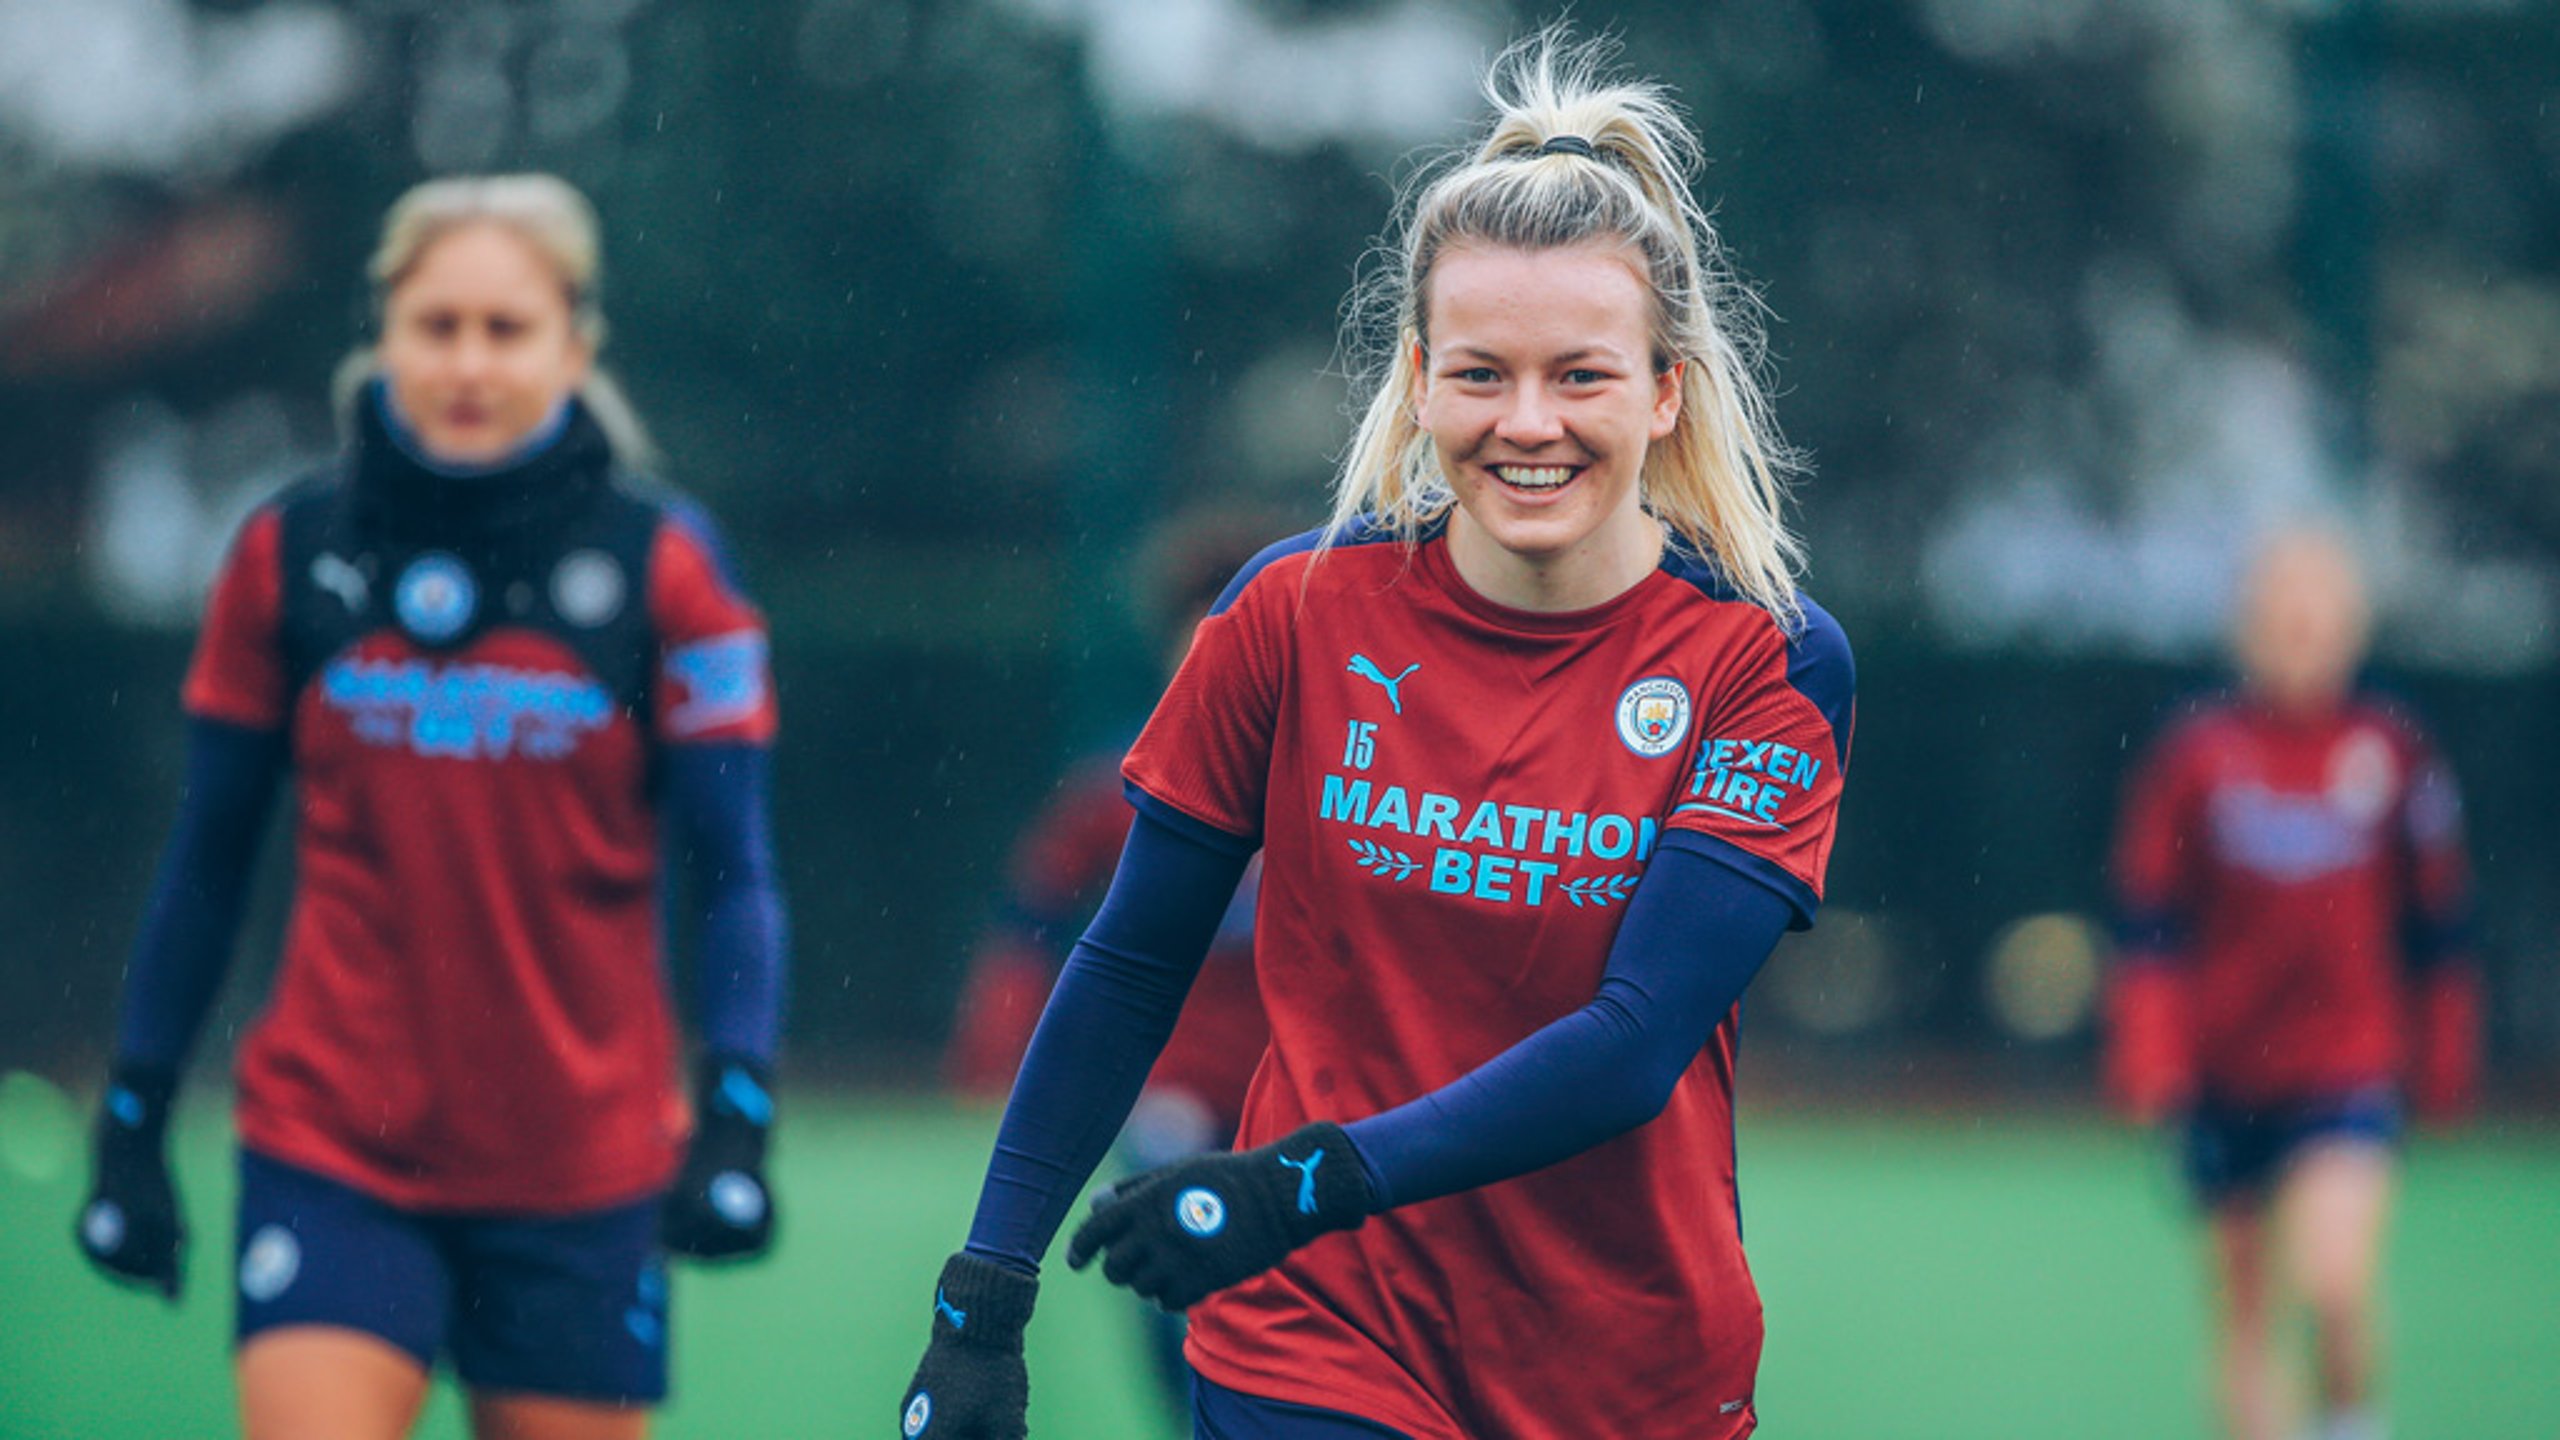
{"x": 1367, "y": 669}
{"x": 746, "y": 1097}
{"x": 1306, "y": 1180}
{"x": 959, "y": 1317}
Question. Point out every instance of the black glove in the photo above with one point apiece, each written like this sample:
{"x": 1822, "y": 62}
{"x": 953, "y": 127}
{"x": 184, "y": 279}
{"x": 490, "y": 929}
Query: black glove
{"x": 131, "y": 1227}
{"x": 721, "y": 1208}
{"x": 1179, "y": 1232}
{"x": 971, "y": 1384}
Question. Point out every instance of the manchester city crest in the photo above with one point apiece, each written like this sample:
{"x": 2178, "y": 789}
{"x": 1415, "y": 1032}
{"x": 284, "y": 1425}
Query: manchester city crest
{"x": 1200, "y": 1211}
{"x": 436, "y": 598}
{"x": 1653, "y": 716}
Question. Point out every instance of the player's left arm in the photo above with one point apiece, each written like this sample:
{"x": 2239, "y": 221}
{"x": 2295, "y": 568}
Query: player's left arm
{"x": 714, "y": 718}
{"x": 1695, "y": 933}
{"x": 2444, "y": 983}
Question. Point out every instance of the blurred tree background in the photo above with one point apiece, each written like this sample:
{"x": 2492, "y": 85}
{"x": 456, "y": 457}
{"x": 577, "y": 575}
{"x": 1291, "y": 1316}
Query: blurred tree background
{"x": 940, "y": 304}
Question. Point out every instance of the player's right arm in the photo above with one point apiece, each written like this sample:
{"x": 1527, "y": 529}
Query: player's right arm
{"x": 2149, "y": 1061}
{"x": 1115, "y": 1005}
{"x": 131, "y": 1226}
{"x": 2446, "y": 1003}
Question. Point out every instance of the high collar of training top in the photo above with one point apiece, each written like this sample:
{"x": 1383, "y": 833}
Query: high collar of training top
{"x": 407, "y": 495}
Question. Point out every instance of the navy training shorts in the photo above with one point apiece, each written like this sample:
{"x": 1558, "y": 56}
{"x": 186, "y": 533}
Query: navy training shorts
{"x": 1218, "y": 1413}
{"x": 573, "y": 1307}
{"x": 2236, "y": 1151}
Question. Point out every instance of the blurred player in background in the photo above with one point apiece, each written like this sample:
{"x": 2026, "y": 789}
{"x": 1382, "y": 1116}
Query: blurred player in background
{"x": 1542, "y": 750}
{"x": 2293, "y": 904}
{"x": 500, "y": 674}
{"x": 1062, "y": 864}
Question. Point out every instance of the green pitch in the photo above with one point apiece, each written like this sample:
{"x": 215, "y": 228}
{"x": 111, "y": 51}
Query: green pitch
{"x": 1923, "y": 1277}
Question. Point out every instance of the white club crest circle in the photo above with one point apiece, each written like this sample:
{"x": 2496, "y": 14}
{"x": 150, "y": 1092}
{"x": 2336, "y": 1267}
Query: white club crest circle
{"x": 1200, "y": 1211}
{"x": 269, "y": 1263}
{"x": 587, "y": 588}
{"x": 1653, "y": 716}
{"x": 737, "y": 1198}
{"x": 919, "y": 1415}
{"x": 103, "y": 1226}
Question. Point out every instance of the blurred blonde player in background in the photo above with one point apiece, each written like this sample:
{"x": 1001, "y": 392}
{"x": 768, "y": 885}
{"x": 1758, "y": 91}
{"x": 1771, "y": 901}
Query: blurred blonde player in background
{"x": 2294, "y": 965}
{"x": 497, "y": 669}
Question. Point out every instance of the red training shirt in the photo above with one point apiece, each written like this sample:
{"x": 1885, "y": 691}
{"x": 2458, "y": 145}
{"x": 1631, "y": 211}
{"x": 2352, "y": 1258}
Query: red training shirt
{"x": 470, "y": 1013}
{"x": 1455, "y": 800}
{"x": 2295, "y": 866}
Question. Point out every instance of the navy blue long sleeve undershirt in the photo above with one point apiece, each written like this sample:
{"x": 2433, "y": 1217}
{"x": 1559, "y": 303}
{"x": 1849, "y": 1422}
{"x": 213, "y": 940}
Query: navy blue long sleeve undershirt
{"x": 717, "y": 797}
{"x": 193, "y": 915}
{"x": 1108, "y": 1019}
{"x": 1695, "y": 933}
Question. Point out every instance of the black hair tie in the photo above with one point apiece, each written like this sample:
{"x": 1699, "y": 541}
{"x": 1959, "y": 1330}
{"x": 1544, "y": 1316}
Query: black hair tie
{"x": 1566, "y": 145}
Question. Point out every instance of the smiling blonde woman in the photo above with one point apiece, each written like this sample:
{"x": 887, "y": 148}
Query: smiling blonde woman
{"x": 1543, "y": 751}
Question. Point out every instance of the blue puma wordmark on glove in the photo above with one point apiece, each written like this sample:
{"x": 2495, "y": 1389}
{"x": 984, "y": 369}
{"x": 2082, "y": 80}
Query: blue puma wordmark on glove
{"x": 721, "y": 1206}
{"x": 1177, "y": 1233}
{"x": 132, "y": 1228}
{"x": 971, "y": 1384}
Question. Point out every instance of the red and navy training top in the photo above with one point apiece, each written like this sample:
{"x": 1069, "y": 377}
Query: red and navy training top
{"x": 1455, "y": 801}
{"x": 2300, "y": 868}
{"x": 471, "y": 1011}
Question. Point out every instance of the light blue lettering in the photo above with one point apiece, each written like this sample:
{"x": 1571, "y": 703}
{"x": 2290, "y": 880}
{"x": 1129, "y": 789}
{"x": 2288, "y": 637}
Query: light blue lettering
{"x": 1563, "y": 829}
{"x": 1806, "y": 768}
{"x": 444, "y": 732}
{"x": 1612, "y": 836}
{"x": 1449, "y": 872}
{"x": 1486, "y": 827}
{"x": 1646, "y": 833}
{"x": 1522, "y": 817}
{"x": 1344, "y": 801}
{"x": 1539, "y": 873}
{"x": 1771, "y": 797}
{"x": 1739, "y": 792}
{"x": 466, "y": 711}
{"x": 1393, "y": 812}
{"x": 1437, "y": 812}
{"x": 1493, "y": 878}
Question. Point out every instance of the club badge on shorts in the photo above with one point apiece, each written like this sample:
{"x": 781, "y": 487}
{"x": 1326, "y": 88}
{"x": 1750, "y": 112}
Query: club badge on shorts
{"x": 1653, "y": 716}
{"x": 436, "y": 598}
{"x": 269, "y": 1264}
